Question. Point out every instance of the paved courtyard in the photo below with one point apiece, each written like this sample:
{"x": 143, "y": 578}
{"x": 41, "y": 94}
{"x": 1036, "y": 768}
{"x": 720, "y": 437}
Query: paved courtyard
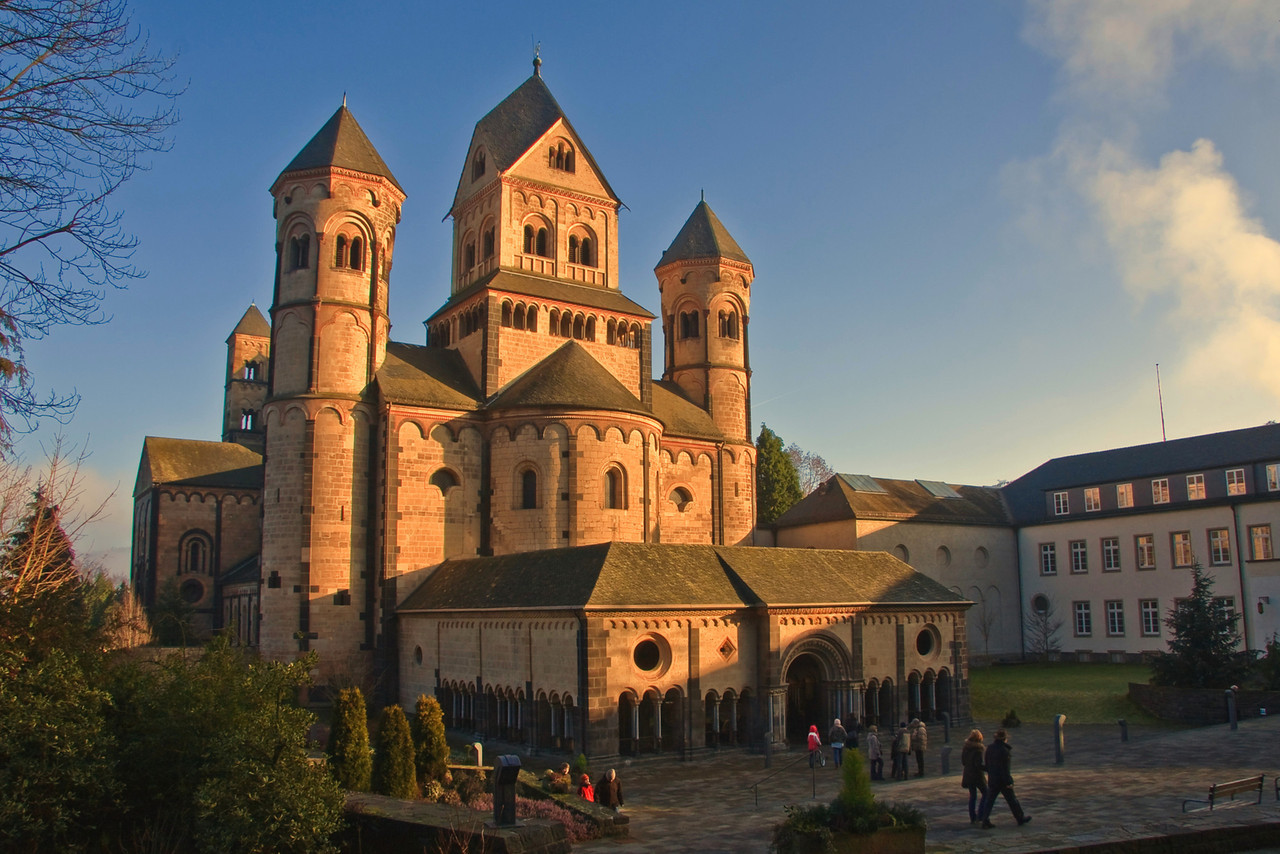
{"x": 1105, "y": 791}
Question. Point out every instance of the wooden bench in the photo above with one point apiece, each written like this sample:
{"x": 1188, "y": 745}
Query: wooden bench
{"x": 1219, "y": 791}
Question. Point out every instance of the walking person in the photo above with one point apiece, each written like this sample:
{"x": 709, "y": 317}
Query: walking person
{"x": 609, "y": 790}
{"x": 901, "y": 750}
{"x": 919, "y": 741}
{"x": 874, "y": 755}
{"x": 815, "y": 747}
{"x": 975, "y": 773}
{"x": 837, "y": 737}
{"x": 1000, "y": 780}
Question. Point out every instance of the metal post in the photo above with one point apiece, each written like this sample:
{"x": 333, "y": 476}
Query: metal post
{"x": 946, "y": 727}
{"x": 946, "y": 759}
{"x": 1124, "y": 729}
{"x": 1231, "y": 708}
{"x": 1059, "y": 739}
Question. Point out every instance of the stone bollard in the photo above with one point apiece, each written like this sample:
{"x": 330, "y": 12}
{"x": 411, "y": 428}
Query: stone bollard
{"x": 946, "y": 759}
{"x": 946, "y": 727}
{"x": 1059, "y": 739}
{"x": 1232, "y": 717}
{"x": 506, "y": 770}
{"x": 1124, "y": 729}
{"x": 479, "y": 749}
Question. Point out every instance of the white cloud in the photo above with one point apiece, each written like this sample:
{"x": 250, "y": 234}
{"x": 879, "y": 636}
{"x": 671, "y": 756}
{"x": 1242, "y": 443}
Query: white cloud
{"x": 1127, "y": 49}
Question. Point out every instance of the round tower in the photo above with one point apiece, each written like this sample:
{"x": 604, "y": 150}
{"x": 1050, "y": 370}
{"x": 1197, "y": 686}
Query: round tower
{"x": 336, "y": 207}
{"x": 705, "y": 281}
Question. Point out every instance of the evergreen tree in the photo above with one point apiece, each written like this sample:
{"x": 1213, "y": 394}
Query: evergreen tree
{"x": 393, "y": 761}
{"x": 41, "y": 588}
{"x": 431, "y": 751}
{"x": 1203, "y": 648}
{"x": 349, "y": 741}
{"x": 777, "y": 483}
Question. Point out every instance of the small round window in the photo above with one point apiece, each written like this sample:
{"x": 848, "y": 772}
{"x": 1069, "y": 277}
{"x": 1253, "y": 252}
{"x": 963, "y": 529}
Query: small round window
{"x": 647, "y": 655}
{"x": 191, "y": 591}
{"x": 1040, "y": 604}
{"x": 928, "y": 641}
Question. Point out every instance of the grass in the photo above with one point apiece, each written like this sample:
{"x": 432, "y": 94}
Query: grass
{"x": 1085, "y": 693}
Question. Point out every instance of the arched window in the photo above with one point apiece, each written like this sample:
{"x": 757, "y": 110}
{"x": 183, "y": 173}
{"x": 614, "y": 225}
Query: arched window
{"x": 573, "y": 249}
{"x": 357, "y": 253}
{"x": 477, "y": 164}
{"x": 519, "y": 317}
{"x": 528, "y": 489}
{"x": 469, "y": 256}
{"x": 615, "y": 489}
{"x": 540, "y": 246}
{"x": 636, "y": 340}
{"x": 560, "y": 156}
{"x": 591, "y": 329}
{"x": 611, "y": 332}
{"x": 488, "y": 242}
{"x": 528, "y": 240}
{"x": 579, "y": 328}
{"x": 443, "y": 479}
{"x": 587, "y": 253}
{"x": 681, "y": 498}
{"x": 506, "y": 314}
{"x": 729, "y": 324}
{"x": 566, "y": 325}
{"x": 531, "y": 319}
{"x": 554, "y": 323}
{"x": 340, "y": 251}
{"x": 247, "y": 419}
{"x": 193, "y": 554}
{"x": 251, "y": 371}
{"x": 689, "y": 324}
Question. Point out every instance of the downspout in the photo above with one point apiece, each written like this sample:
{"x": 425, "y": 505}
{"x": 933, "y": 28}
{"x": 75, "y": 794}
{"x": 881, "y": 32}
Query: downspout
{"x": 1245, "y": 598}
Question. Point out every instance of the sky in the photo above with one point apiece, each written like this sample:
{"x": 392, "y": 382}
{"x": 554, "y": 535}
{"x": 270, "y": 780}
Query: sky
{"x": 976, "y": 228}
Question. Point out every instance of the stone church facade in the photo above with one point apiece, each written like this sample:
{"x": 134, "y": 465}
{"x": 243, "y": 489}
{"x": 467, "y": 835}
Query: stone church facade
{"x": 516, "y": 516}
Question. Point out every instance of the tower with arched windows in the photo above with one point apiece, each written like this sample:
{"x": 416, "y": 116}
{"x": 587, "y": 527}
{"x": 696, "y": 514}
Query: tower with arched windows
{"x": 336, "y": 208}
{"x": 248, "y": 351}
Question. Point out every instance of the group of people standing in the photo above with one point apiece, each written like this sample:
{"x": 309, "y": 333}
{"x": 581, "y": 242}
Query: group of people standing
{"x": 910, "y": 739}
{"x": 607, "y": 791}
{"x": 988, "y": 772}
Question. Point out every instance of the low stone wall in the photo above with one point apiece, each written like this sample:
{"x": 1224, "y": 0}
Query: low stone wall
{"x": 392, "y": 826}
{"x": 1201, "y": 706}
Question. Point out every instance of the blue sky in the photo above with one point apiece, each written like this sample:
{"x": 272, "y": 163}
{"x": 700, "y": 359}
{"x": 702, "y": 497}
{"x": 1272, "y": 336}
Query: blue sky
{"x": 976, "y": 227}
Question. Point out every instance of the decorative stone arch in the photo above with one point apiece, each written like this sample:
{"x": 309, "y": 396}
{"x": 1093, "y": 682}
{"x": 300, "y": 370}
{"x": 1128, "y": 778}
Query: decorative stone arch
{"x": 818, "y": 670}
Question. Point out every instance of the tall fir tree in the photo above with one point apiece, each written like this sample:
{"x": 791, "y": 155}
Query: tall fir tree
{"x": 349, "y": 741}
{"x": 41, "y": 587}
{"x": 777, "y": 483}
{"x": 1203, "y": 650}
{"x": 431, "y": 750}
{"x": 393, "y": 761}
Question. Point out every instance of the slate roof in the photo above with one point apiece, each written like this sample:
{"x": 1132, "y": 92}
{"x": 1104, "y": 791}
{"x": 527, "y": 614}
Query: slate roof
{"x": 570, "y": 378}
{"x": 511, "y": 128}
{"x": 1231, "y": 448}
{"x": 253, "y": 323}
{"x": 192, "y": 462}
{"x": 427, "y": 376}
{"x": 902, "y": 500}
{"x": 342, "y": 143}
{"x": 680, "y": 416}
{"x": 543, "y": 287}
{"x": 245, "y": 572}
{"x": 703, "y": 236}
{"x": 629, "y": 576}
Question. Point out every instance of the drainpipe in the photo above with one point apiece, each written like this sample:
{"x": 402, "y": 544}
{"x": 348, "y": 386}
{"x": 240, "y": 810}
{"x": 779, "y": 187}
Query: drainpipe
{"x": 1245, "y": 598}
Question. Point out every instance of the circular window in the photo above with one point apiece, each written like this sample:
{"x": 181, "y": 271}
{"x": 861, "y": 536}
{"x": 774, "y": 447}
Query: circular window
{"x": 647, "y": 656}
{"x": 1040, "y": 603}
{"x": 980, "y": 556}
{"x": 944, "y": 556}
{"x": 901, "y": 553}
{"x": 417, "y": 655}
{"x": 191, "y": 591}
{"x": 928, "y": 641}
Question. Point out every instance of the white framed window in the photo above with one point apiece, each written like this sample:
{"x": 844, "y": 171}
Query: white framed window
{"x": 1260, "y": 542}
{"x": 1079, "y": 556}
{"x": 1182, "y": 554}
{"x": 1083, "y": 619}
{"x": 1220, "y": 546}
{"x": 1124, "y": 494}
{"x": 1160, "y": 491}
{"x": 1092, "y": 499}
{"x": 1145, "y": 546}
{"x": 1227, "y": 604}
{"x": 1115, "y": 618}
{"x": 1061, "y": 504}
{"x": 1150, "y": 617}
{"x": 1195, "y": 487}
{"x": 1235, "y": 481}
{"x": 1048, "y": 559}
{"x": 1273, "y": 477}
{"x": 1110, "y": 554}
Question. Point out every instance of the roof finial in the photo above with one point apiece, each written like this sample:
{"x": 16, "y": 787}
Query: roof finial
{"x": 344, "y": 99}
{"x": 703, "y": 193}
{"x": 537, "y": 60}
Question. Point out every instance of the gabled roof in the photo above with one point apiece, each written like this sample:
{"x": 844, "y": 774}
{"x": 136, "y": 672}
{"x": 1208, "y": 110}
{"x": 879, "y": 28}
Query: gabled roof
{"x": 253, "y": 323}
{"x": 680, "y": 416}
{"x": 1192, "y": 454}
{"x": 570, "y": 378}
{"x": 703, "y": 236}
{"x": 555, "y": 290}
{"x": 511, "y": 128}
{"x": 342, "y": 143}
{"x": 427, "y": 376}
{"x": 618, "y": 576}
{"x": 247, "y": 571}
{"x": 191, "y": 462}
{"x": 840, "y": 498}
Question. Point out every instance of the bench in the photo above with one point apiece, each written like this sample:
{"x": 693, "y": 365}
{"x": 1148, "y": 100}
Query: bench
{"x": 1219, "y": 791}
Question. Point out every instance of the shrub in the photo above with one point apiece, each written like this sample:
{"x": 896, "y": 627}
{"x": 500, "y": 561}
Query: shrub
{"x": 580, "y": 765}
{"x": 393, "y": 773}
{"x": 431, "y": 750}
{"x": 470, "y": 786}
{"x": 349, "y": 741}
{"x": 1011, "y": 720}
{"x": 432, "y": 791}
{"x": 577, "y": 828}
{"x": 855, "y": 789}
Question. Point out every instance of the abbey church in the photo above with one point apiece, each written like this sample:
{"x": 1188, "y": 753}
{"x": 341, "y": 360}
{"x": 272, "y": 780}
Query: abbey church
{"x": 515, "y": 516}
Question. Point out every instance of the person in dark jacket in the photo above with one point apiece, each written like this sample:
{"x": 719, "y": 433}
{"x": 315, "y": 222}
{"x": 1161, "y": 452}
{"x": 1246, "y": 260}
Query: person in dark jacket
{"x": 975, "y": 772}
{"x": 1000, "y": 780}
{"x": 836, "y": 738}
{"x": 609, "y": 790}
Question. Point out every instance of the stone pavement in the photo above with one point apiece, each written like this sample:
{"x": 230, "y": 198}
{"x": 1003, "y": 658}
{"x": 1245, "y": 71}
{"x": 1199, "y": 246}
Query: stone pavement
{"x": 1105, "y": 791}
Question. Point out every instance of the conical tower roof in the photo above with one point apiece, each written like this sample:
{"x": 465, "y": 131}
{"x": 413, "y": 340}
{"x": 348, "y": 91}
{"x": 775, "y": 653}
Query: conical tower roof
{"x": 703, "y": 236}
{"x": 253, "y": 323}
{"x": 342, "y": 143}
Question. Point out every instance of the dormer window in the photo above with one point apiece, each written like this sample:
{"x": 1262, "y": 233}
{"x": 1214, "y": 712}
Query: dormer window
{"x": 561, "y": 157}
{"x": 477, "y": 165}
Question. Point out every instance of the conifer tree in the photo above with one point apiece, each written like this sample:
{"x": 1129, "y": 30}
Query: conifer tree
{"x": 777, "y": 484}
{"x": 349, "y": 741}
{"x": 1203, "y": 650}
{"x": 431, "y": 750}
{"x": 40, "y": 584}
{"x": 393, "y": 773}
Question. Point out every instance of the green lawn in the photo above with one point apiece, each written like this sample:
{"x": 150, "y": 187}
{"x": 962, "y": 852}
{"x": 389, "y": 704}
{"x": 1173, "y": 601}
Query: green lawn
{"x": 1085, "y": 693}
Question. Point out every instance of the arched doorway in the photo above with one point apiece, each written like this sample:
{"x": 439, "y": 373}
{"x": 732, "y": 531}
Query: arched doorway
{"x": 805, "y": 702}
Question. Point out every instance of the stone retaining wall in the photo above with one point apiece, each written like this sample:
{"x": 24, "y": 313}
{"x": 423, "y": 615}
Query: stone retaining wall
{"x": 1201, "y": 706}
